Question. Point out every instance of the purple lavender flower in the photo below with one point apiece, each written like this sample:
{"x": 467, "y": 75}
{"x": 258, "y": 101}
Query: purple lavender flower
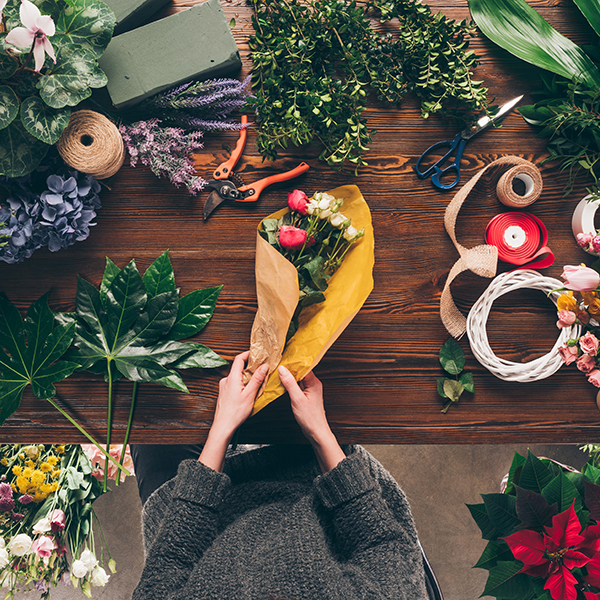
{"x": 166, "y": 150}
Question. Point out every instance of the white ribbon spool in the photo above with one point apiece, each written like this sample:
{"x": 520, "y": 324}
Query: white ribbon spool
{"x": 537, "y": 369}
{"x": 583, "y": 219}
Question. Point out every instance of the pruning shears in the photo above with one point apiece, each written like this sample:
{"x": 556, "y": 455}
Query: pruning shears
{"x": 226, "y": 185}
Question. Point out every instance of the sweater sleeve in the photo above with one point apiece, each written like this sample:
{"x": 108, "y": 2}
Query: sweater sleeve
{"x": 188, "y": 528}
{"x": 378, "y": 554}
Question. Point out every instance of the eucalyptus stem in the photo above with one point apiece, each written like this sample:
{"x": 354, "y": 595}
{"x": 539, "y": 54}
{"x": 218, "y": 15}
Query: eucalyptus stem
{"x": 126, "y": 440}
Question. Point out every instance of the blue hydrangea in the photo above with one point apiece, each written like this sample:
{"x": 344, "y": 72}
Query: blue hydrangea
{"x": 52, "y": 207}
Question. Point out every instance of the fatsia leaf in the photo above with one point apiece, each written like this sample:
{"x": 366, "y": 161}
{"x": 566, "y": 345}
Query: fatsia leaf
{"x": 591, "y": 11}
{"x": 159, "y": 276}
{"x": 502, "y": 511}
{"x": 30, "y": 353}
{"x": 522, "y": 31}
{"x": 533, "y": 509}
{"x": 201, "y": 357}
{"x": 110, "y": 272}
{"x": 195, "y": 311}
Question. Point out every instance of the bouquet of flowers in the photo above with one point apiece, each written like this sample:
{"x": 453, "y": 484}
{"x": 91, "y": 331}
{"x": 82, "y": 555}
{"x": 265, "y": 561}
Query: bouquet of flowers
{"x": 314, "y": 268}
{"x": 580, "y": 303}
{"x": 543, "y": 532}
{"x": 46, "y": 514}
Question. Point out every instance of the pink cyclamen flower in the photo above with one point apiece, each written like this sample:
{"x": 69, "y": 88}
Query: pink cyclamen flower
{"x": 58, "y": 520}
{"x": 566, "y": 318}
{"x": 292, "y": 238}
{"x": 568, "y": 354}
{"x": 298, "y": 201}
{"x": 594, "y": 377}
{"x": 589, "y": 344}
{"x": 37, "y": 29}
{"x": 43, "y": 546}
{"x": 580, "y": 279}
{"x": 586, "y": 363}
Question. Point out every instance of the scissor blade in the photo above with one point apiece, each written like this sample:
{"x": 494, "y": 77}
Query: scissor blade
{"x": 485, "y": 122}
{"x": 211, "y": 203}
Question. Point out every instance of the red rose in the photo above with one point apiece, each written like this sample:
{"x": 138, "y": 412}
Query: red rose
{"x": 292, "y": 238}
{"x": 298, "y": 201}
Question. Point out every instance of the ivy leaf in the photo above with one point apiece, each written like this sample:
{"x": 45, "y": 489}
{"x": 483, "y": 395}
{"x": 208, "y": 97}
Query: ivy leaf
{"x": 9, "y": 106}
{"x": 42, "y": 122}
{"x": 30, "y": 353}
{"x": 452, "y": 357}
{"x": 20, "y": 152}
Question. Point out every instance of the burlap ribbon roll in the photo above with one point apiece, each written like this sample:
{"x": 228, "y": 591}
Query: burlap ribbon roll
{"x": 483, "y": 259}
{"x": 92, "y": 144}
{"x": 529, "y": 175}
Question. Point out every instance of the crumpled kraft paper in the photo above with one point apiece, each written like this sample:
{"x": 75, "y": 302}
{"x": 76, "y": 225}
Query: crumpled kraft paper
{"x": 320, "y": 324}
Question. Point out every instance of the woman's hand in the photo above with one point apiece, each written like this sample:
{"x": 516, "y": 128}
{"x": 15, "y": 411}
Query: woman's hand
{"x": 309, "y": 411}
{"x": 234, "y": 406}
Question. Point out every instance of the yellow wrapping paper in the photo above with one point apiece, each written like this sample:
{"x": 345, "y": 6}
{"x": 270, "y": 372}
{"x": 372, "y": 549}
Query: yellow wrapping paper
{"x": 319, "y": 324}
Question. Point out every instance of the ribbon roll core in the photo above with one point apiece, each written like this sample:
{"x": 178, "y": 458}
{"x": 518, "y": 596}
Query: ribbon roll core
{"x": 583, "y": 219}
{"x": 527, "y": 174}
{"x": 521, "y": 240}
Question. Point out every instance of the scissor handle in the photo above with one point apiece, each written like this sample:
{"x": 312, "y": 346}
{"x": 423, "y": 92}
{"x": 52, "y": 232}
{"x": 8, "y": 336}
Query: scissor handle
{"x": 223, "y": 171}
{"x": 456, "y": 147}
{"x": 251, "y": 192}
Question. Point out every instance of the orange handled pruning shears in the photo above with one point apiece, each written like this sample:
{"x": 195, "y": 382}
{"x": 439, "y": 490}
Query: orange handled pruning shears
{"x": 225, "y": 189}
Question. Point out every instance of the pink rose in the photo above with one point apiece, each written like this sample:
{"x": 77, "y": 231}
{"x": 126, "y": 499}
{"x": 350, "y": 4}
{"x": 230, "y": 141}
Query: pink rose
{"x": 292, "y": 238}
{"x": 298, "y": 201}
{"x": 584, "y": 240}
{"x": 43, "y": 546}
{"x": 594, "y": 377}
{"x": 568, "y": 354}
{"x": 596, "y": 243}
{"x": 566, "y": 318}
{"x": 580, "y": 279}
{"x": 586, "y": 363}
{"x": 58, "y": 520}
{"x": 589, "y": 344}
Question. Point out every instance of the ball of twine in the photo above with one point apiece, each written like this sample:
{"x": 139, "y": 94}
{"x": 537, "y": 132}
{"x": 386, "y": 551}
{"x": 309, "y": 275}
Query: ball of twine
{"x": 537, "y": 369}
{"x": 531, "y": 178}
{"x": 92, "y": 144}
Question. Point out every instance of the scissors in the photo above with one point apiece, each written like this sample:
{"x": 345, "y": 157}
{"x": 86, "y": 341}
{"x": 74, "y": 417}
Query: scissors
{"x": 226, "y": 185}
{"x": 457, "y": 146}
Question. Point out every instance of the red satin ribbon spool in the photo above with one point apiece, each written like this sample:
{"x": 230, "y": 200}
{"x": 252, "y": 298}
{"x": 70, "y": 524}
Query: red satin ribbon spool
{"x": 520, "y": 238}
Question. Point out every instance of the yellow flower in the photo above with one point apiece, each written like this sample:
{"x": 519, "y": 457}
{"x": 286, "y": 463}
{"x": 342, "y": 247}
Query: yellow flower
{"x": 566, "y": 302}
{"x": 30, "y": 464}
{"x": 27, "y": 472}
{"x": 52, "y": 460}
{"x": 17, "y": 470}
{"x": 56, "y": 474}
{"x": 22, "y": 484}
{"x": 60, "y": 449}
{"x": 45, "y": 467}
{"x": 39, "y": 497}
{"x": 46, "y": 488}
{"x": 54, "y": 486}
{"x": 37, "y": 478}
{"x": 3, "y": 462}
{"x": 593, "y": 302}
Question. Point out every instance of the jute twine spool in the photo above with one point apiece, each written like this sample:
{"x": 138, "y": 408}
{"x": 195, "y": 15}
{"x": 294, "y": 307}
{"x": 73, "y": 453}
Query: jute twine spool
{"x": 529, "y": 175}
{"x": 92, "y": 144}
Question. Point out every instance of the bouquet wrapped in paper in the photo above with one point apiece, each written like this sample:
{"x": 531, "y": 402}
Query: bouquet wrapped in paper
{"x": 314, "y": 271}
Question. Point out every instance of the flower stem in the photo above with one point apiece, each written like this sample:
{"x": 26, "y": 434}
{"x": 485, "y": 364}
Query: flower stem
{"x": 108, "y": 427}
{"x": 131, "y": 411}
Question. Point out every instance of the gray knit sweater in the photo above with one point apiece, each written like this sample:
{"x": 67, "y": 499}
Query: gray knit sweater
{"x": 272, "y": 526}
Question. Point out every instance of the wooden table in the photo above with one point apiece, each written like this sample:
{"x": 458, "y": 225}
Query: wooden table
{"x": 380, "y": 376}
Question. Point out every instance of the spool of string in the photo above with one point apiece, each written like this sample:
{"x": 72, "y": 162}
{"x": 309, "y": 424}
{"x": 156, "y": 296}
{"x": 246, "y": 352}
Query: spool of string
{"x": 92, "y": 144}
{"x": 526, "y": 177}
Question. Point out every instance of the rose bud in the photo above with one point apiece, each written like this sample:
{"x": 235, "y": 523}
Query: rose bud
{"x": 594, "y": 377}
{"x": 298, "y": 201}
{"x": 292, "y": 238}
{"x": 568, "y": 354}
{"x": 566, "y": 318}
{"x": 58, "y": 520}
{"x": 580, "y": 279}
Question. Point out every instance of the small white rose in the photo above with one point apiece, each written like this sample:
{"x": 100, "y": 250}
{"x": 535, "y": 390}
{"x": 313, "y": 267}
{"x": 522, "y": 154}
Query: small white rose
{"x": 350, "y": 233}
{"x": 99, "y": 577}
{"x": 324, "y": 203}
{"x": 337, "y": 220}
{"x": 324, "y": 214}
{"x": 3, "y": 558}
{"x": 42, "y": 526}
{"x": 79, "y": 569}
{"x": 20, "y": 545}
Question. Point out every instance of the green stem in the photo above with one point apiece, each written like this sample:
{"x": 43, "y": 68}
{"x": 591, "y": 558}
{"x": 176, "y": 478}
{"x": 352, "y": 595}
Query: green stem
{"x": 126, "y": 440}
{"x": 86, "y": 434}
{"x": 108, "y": 427}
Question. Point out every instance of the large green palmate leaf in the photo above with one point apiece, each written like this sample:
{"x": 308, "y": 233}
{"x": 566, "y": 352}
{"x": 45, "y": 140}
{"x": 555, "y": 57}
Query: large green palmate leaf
{"x": 42, "y": 122}
{"x": 30, "y": 353}
{"x": 522, "y": 31}
{"x": 9, "y": 106}
{"x": 127, "y": 326}
{"x": 20, "y": 152}
{"x": 88, "y": 24}
{"x": 591, "y": 11}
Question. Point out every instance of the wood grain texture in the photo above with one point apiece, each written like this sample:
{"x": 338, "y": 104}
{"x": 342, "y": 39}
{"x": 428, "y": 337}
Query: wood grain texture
{"x": 380, "y": 376}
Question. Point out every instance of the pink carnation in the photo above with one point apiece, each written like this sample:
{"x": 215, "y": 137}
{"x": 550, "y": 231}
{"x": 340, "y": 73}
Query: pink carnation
{"x": 566, "y": 318}
{"x": 586, "y": 363}
{"x": 43, "y": 546}
{"x": 298, "y": 201}
{"x": 292, "y": 238}
{"x": 589, "y": 344}
{"x": 568, "y": 354}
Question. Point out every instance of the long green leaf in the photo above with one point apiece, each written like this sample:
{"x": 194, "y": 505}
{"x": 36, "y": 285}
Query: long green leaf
{"x": 591, "y": 11}
{"x": 519, "y": 29}
{"x": 195, "y": 311}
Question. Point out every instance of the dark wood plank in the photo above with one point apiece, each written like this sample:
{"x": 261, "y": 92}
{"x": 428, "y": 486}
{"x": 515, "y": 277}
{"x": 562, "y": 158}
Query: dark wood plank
{"x": 380, "y": 376}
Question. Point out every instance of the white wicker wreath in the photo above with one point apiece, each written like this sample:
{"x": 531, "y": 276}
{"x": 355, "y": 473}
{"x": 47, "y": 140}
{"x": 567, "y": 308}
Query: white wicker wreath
{"x": 541, "y": 367}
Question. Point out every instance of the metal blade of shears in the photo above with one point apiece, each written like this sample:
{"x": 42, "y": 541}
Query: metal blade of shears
{"x": 485, "y": 122}
{"x": 212, "y": 202}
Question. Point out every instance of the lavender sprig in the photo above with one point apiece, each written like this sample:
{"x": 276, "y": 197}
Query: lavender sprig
{"x": 166, "y": 150}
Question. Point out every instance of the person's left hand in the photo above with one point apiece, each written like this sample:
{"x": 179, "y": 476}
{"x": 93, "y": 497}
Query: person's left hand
{"x": 235, "y": 401}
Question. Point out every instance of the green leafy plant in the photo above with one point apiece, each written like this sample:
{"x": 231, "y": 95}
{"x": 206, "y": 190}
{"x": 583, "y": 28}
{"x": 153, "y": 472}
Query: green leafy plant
{"x": 36, "y": 100}
{"x": 315, "y": 62}
{"x": 452, "y": 359}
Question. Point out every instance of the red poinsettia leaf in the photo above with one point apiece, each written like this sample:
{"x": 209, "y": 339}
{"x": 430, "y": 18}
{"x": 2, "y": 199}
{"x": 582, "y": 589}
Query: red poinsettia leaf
{"x": 573, "y": 558}
{"x": 591, "y": 542}
{"x": 593, "y": 571}
{"x": 542, "y": 570}
{"x": 591, "y": 596}
{"x": 527, "y": 546}
{"x": 565, "y": 528}
{"x": 562, "y": 585}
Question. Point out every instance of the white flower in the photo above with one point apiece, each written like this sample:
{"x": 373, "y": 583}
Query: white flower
{"x": 32, "y": 452}
{"x": 99, "y": 577}
{"x": 324, "y": 214}
{"x": 42, "y": 526}
{"x": 20, "y": 545}
{"x": 88, "y": 559}
{"x": 350, "y": 233}
{"x": 326, "y": 202}
{"x": 79, "y": 569}
{"x": 37, "y": 27}
{"x": 2, "y": 542}
{"x": 3, "y": 557}
{"x": 337, "y": 220}
{"x": 2, "y": 5}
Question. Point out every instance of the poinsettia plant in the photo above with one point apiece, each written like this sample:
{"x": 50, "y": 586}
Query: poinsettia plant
{"x": 48, "y": 63}
{"x": 543, "y": 532}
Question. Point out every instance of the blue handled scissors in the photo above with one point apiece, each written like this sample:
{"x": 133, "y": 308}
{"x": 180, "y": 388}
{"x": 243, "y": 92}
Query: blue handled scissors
{"x": 456, "y": 148}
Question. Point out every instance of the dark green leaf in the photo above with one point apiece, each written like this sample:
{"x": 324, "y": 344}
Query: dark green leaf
{"x": 452, "y": 357}
{"x": 502, "y": 511}
{"x": 440, "y": 386}
{"x": 195, "y": 311}
{"x": 481, "y": 517}
{"x": 9, "y": 106}
{"x": 8, "y": 65}
{"x": 514, "y": 473}
{"x": 495, "y": 551}
{"x": 505, "y": 582}
{"x": 316, "y": 271}
{"x": 533, "y": 509}
{"x": 592, "y": 499}
{"x": 155, "y": 321}
{"x": 531, "y": 115}
{"x": 591, "y": 473}
{"x": 20, "y": 152}
{"x": 159, "y": 276}
{"x": 563, "y": 492}
{"x": 202, "y": 357}
{"x": 110, "y": 272}
{"x": 466, "y": 380}
{"x": 591, "y": 11}
{"x": 42, "y": 122}
{"x": 535, "y": 475}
